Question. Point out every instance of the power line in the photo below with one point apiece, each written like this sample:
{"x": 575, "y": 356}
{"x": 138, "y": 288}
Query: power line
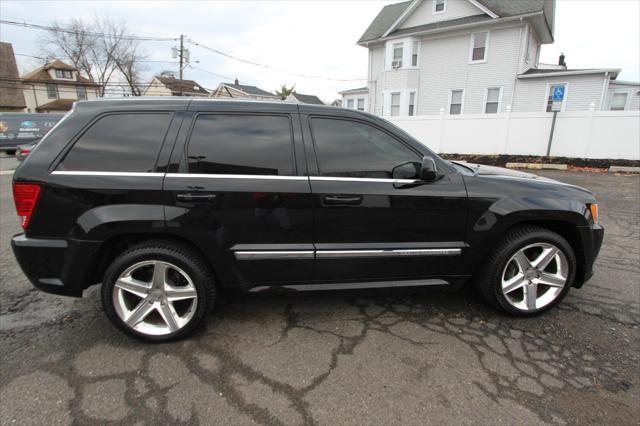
{"x": 52, "y": 58}
{"x": 258, "y": 64}
{"x": 88, "y": 33}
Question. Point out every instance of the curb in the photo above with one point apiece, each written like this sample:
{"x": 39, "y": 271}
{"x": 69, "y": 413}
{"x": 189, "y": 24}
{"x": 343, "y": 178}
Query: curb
{"x": 6, "y": 172}
{"x": 624, "y": 169}
{"x": 536, "y": 166}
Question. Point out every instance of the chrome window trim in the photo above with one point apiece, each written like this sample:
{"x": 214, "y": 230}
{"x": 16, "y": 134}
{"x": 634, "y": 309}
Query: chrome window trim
{"x": 90, "y": 173}
{"x": 341, "y": 254}
{"x": 329, "y": 254}
{"x": 274, "y": 254}
{"x": 357, "y": 179}
{"x": 224, "y": 176}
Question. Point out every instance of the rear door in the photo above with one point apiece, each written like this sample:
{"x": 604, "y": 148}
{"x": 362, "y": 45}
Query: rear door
{"x": 368, "y": 226}
{"x": 237, "y": 187}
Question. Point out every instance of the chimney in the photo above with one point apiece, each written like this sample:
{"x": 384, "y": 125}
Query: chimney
{"x": 236, "y": 82}
{"x": 561, "y": 61}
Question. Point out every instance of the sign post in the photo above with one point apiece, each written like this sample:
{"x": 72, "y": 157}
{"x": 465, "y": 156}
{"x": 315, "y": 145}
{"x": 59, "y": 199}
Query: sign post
{"x": 556, "y": 105}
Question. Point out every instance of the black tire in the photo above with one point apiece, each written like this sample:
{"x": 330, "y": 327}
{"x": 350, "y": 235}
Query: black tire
{"x": 489, "y": 280}
{"x": 181, "y": 255}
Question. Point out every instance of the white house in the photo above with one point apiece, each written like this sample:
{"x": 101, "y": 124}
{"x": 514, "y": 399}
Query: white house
{"x": 242, "y": 91}
{"x": 475, "y": 57}
{"x": 170, "y": 86}
{"x": 55, "y": 86}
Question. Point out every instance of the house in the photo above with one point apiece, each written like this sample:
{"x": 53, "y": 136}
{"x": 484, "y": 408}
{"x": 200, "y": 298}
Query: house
{"x": 356, "y": 99}
{"x": 55, "y": 86}
{"x": 170, "y": 86}
{"x": 242, "y": 91}
{"x": 475, "y": 57}
{"x": 304, "y": 99}
{"x": 11, "y": 95}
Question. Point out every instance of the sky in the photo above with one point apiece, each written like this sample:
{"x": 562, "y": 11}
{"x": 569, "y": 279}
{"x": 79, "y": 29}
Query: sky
{"x": 316, "y": 38}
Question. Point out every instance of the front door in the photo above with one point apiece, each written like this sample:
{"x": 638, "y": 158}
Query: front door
{"x": 369, "y": 226}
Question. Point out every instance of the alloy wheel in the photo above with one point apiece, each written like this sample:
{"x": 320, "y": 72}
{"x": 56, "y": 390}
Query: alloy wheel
{"x": 535, "y": 276}
{"x": 155, "y": 297}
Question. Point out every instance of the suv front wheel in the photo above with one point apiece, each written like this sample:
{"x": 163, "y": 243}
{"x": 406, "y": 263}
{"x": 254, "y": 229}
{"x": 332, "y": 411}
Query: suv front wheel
{"x": 158, "y": 291}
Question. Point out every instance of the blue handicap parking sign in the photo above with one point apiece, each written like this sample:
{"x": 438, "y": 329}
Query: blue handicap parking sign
{"x": 558, "y": 93}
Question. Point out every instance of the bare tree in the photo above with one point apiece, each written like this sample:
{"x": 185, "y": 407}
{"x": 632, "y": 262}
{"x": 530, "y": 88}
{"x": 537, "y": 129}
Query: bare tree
{"x": 102, "y": 49}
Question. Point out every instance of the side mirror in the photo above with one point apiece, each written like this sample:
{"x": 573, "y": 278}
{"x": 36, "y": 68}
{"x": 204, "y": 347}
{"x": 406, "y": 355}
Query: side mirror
{"x": 429, "y": 170}
{"x": 408, "y": 170}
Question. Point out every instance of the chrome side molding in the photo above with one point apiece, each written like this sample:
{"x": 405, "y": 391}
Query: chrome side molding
{"x": 342, "y": 254}
{"x": 275, "y": 254}
{"x": 351, "y": 285}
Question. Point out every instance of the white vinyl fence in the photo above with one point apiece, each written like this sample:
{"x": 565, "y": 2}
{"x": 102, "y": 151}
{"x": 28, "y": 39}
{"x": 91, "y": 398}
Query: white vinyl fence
{"x": 584, "y": 134}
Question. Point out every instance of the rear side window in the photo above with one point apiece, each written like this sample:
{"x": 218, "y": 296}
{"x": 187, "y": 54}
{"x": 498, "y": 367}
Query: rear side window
{"x": 241, "y": 144}
{"x": 119, "y": 143}
{"x": 353, "y": 149}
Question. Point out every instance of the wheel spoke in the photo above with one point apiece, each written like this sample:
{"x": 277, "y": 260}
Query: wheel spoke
{"x": 159, "y": 274}
{"x": 170, "y": 316}
{"x": 139, "y": 313}
{"x": 522, "y": 261}
{"x": 180, "y": 293}
{"x": 530, "y": 296}
{"x": 513, "y": 283}
{"x": 545, "y": 258}
{"x": 131, "y": 285}
{"x": 551, "y": 280}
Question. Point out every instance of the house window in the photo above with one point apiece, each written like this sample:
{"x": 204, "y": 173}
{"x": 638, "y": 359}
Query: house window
{"x": 360, "y": 104}
{"x": 479, "y": 42}
{"x": 397, "y": 55}
{"x": 412, "y": 103}
{"x": 550, "y": 96}
{"x": 414, "y": 53}
{"x": 492, "y": 103}
{"x": 439, "y": 6}
{"x": 52, "y": 91}
{"x": 64, "y": 74}
{"x": 81, "y": 91}
{"x": 395, "y": 104}
{"x": 455, "y": 102}
{"x": 618, "y": 102}
{"x": 350, "y": 103}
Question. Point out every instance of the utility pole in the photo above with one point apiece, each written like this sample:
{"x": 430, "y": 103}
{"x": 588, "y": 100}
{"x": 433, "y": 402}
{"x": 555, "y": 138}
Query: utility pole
{"x": 181, "y": 53}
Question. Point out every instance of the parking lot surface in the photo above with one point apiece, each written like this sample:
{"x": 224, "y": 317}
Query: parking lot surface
{"x": 365, "y": 357}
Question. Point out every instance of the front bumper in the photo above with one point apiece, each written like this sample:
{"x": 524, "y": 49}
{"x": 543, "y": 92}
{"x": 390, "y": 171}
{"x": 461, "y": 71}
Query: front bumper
{"x": 591, "y": 237}
{"x": 55, "y": 266}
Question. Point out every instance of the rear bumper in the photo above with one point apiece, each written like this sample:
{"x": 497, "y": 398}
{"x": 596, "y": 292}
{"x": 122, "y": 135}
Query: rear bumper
{"x": 55, "y": 266}
{"x": 592, "y": 237}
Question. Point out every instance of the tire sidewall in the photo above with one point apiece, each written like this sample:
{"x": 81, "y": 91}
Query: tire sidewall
{"x": 131, "y": 257}
{"x": 520, "y": 243}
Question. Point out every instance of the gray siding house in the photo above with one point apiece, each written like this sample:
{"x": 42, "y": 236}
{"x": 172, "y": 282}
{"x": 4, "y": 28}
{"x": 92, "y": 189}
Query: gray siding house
{"x": 475, "y": 57}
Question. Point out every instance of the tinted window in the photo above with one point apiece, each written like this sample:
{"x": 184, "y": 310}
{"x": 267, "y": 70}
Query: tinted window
{"x": 241, "y": 144}
{"x": 119, "y": 143}
{"x": 349, "y": 148}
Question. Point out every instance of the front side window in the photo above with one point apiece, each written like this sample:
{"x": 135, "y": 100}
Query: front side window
{"x": 414, "y": 54}
{"x": 397, "y": 55}
{"x": 241, "y": 144}
{"x": 479, "y": 46}
{"x": 360, "y": 104}
{"x": 395, "y": 104}
{"x": 350, "y": 103}
{"x": 492, "y": 105}
{"x": 552, "y": 88}
{"x": 353, "y": 149}
{"x": 455, "y": 105}
{"x": 81, "y": 91}
{"x": 412, "y": 103}
{"x": 439, "y": 6}
{"x": 52, "y": 91}
{"x": 618, "y": 101}
{"x": 119, "y": 143}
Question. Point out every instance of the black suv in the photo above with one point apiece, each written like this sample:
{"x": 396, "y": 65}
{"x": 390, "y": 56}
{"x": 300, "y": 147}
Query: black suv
{"x": 166, "y": 201}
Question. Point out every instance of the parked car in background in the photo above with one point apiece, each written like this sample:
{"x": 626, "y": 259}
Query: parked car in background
{"x": 166, "y": 202}
{"x": 17, "y": 128}
{"x": 23, "y": 150}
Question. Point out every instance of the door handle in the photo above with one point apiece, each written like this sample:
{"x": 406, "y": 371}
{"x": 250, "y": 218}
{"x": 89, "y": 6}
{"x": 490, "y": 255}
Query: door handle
{"x": 195, "y": 197}
{"x": 345, "y": 200}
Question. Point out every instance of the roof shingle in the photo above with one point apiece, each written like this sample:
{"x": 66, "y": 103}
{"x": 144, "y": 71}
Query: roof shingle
{"x": 182, "y": 87}
{"x": 11, "y": 95}
{"x": 251, "y": 90}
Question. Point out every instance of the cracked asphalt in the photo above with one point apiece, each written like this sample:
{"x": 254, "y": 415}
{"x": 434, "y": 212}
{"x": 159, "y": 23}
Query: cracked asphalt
{"x": 360, "y": 357}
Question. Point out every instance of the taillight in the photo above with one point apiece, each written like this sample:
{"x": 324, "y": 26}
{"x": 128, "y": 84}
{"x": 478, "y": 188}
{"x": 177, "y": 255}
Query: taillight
{"x": 25, "y": 196}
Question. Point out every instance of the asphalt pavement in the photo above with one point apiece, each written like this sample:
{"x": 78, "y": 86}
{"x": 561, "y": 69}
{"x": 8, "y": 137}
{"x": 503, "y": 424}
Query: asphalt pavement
{"x": 360, "y": 357}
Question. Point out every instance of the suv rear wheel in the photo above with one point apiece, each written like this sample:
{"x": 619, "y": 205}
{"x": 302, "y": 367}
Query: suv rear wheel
{"x": 158, "y": 291}
{"x": 530, "y": 271}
